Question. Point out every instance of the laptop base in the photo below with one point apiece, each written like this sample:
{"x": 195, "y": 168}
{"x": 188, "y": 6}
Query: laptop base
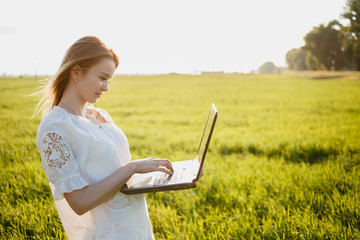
{"x": 159, "y": 188}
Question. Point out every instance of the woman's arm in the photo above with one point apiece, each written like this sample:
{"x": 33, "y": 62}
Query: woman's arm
{"x": 82, "y": 200}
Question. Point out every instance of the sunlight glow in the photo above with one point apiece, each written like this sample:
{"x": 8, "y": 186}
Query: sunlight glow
{"x": 159, "y": 36}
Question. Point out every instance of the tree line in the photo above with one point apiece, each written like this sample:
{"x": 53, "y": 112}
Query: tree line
{"x": 332, "y": 46}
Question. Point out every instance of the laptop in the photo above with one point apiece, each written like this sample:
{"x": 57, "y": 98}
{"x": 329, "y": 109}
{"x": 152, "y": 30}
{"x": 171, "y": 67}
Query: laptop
{"x": 186, "y": 173}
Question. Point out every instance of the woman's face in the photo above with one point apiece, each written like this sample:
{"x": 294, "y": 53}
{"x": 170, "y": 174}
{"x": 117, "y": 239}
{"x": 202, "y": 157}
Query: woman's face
{"x": 94, "y": 81}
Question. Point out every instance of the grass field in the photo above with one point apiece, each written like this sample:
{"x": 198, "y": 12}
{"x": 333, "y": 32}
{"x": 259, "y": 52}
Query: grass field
{"x": 284, "y": 161}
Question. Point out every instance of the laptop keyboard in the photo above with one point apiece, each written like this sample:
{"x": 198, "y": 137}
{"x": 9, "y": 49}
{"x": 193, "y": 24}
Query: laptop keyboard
{"x": 184, "y": 171}
{"x": 163, "y": 178}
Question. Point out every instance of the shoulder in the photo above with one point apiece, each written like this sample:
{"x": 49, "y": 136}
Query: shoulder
{"x": 57, "y": 117}
{"x": 56, "y": 121}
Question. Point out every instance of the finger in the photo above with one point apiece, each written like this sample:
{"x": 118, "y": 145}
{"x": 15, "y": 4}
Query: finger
{"x": 165, "y": 171}
{"x": 162, "y": 162}
{"x": 166, "y": 163}
{"x": 159, "y": 159}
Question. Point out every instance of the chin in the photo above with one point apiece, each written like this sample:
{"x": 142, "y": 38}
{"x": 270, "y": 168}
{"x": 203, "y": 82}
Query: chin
{"x": 93, "y": 101}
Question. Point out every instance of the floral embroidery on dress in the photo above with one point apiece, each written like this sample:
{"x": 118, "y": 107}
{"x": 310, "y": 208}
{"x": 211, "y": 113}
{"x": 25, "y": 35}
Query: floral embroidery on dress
{"x": 119, "y": 201}
{"x": 55, "y": 150}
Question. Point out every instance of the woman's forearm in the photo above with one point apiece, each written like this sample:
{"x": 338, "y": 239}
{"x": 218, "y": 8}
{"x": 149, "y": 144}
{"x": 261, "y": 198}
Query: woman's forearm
{"x": 85, "y": 199}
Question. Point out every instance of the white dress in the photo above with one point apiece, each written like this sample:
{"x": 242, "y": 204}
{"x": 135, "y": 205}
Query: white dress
{"x": 76, "y": 153}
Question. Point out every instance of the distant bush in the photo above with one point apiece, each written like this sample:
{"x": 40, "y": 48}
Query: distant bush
{"x": 268, "y": 67}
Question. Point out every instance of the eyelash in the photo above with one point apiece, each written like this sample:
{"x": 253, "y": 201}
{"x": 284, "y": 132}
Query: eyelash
{"x": 104, "y": 79}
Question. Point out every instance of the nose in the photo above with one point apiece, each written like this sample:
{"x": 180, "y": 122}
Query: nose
{"x": 105, "y": 86}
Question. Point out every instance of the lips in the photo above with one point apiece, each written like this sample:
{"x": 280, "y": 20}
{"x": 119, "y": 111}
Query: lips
{"x": 98, "y": 94}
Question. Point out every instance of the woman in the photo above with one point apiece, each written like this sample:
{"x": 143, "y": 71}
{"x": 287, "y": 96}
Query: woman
{"x": 85, "y": 155}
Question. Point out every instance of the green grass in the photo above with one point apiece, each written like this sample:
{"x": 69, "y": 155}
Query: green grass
{"x": 284, "y": 161}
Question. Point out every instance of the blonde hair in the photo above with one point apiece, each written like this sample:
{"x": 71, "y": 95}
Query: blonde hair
{"x": 85, "y": 53}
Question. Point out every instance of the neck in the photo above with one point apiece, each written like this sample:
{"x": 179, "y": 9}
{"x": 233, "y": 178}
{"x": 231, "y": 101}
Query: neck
{"x": 71, "y": 101}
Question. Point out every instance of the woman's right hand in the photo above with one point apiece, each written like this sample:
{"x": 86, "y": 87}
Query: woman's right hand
{"x": 152, "y": 164}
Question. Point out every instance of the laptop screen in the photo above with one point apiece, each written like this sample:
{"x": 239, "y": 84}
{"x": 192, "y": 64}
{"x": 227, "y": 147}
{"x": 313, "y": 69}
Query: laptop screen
{"x": 205, "y": 140}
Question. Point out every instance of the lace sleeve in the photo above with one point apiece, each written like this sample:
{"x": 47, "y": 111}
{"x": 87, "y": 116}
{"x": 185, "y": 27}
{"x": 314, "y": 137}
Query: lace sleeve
{"x": 55, "y": 150}
{"x": 59, "y": 165}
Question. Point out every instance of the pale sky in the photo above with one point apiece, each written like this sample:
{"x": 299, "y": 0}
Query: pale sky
{"x": 159, "y": 36}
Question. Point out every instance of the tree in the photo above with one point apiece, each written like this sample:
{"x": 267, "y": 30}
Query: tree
{"x": 295, "y": 58}
{"x": 313, "y": 63}
{"x": 268, "y": 67}
{"x": 324, "y": 47}
{"x": 351, "y": 33}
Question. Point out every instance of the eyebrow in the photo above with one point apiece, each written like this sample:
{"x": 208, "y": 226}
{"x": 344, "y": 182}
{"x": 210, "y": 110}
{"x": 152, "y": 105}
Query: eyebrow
{"x": 105, "y": 74}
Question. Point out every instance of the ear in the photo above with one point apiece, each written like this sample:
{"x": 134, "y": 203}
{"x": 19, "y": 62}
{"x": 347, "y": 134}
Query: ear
{"x": 75, "y": 71}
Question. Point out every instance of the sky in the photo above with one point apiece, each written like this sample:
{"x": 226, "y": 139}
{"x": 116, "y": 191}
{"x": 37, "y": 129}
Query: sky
{"x": 159, "y": 36}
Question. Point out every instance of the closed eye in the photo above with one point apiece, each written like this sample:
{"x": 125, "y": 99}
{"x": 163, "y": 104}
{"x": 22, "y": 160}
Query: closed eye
{"x": 104, "y": 79}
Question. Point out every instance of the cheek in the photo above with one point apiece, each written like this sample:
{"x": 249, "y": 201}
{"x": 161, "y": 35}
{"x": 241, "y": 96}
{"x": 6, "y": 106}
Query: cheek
{"x": 85, "y": 88}
{"x": 91, "y": 82}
